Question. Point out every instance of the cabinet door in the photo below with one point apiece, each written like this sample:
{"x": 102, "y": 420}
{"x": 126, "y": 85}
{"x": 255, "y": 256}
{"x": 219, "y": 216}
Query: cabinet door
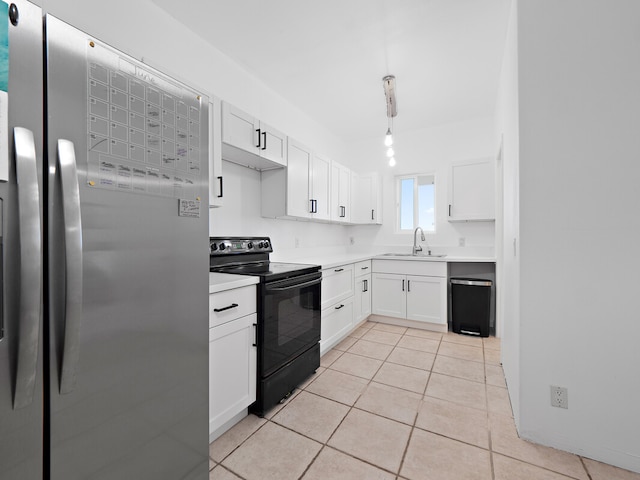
{"x": 362, "y": 298}
{"x": 340, "y": 193}
{"x": 472, "y": 190}
{"x": 426, "y": 299}
{"x": 273, "y": 144}
{"x": 216, "y": 179}
{"x": 366, "y": 199}
{"x": 320, "y": 187}
{"x": 344, "y": 194}
{"x": 232, "y": 369}
{"x": 298, "y": 168}
{"x": 239, "y": 129}
{"x": 389, "y": 295}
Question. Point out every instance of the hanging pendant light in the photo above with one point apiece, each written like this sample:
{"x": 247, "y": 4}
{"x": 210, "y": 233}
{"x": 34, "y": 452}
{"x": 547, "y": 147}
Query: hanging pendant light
{"x": 389, "y": 84}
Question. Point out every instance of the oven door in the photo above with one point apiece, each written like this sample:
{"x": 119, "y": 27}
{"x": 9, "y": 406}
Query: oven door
{"x": 290, "y": 320}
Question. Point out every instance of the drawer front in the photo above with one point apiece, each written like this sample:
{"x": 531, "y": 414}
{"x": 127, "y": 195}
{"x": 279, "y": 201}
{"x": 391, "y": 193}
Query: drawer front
{"x": 337, "y": 321}
{"x": 411, "y": 267}
{"x": 362, "y": 268}
{"x": 337, "y": 284}
{"x": 231, "y": 304}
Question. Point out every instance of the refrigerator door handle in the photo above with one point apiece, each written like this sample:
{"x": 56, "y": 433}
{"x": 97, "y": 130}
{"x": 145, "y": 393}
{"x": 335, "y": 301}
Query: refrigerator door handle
{"x": 30, "y": 266}
{"x": 73, "y": 263}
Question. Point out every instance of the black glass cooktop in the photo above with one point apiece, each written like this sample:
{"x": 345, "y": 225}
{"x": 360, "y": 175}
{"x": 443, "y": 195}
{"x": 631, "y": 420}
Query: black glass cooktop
{"x": 270, "y": 270}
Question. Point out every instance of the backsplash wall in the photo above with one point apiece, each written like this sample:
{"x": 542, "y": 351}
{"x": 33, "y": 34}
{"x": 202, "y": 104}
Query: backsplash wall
{"x": 241, "y": 216}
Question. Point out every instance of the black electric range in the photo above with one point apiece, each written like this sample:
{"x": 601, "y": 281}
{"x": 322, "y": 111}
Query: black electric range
{"x": 288, "y": 302}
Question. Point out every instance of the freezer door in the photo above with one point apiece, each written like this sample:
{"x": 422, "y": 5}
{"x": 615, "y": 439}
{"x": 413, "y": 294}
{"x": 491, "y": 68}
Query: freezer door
{"x": 128, "y": 266}
{"x": 21, "y": 390}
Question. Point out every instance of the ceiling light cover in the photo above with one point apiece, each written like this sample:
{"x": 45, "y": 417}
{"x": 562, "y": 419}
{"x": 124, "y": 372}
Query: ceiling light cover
{"x": 389, "y": 84}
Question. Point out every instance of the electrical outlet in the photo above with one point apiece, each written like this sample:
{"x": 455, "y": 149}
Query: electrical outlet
{"x": 461, "y": 241}
{"x": 559, "y": 397}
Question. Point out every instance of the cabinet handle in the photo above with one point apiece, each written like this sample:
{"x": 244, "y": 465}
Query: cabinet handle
{"x": 339, "y": 306}
{"x": 403, "y": 285}
{"x": 314, "y": 206}
{"x": 364, "y": 268}
{"x": 255, "y": 335}
{"x": 365, "y": 284}
{"x": 408, "y": 285}
{"x": 258, "y": 132}
{"x": 343, "y": 211}
{"x": 233, "y": 305}
{"x": 264, "y": 138}
{"x": 371, "y": 214}
{"x": 220, "y": 195}
{"x": 338, "y": 269}
{"x": 449, "y": 209}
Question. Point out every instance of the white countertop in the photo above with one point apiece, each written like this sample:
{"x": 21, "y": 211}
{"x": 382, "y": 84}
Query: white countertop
{"x": 219, "y": 282}
{"x": 334, "y": 260}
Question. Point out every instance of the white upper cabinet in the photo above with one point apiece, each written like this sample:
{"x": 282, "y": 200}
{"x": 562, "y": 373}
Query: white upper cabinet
{"x": 251, "y": 142}
{"x": 472, "y": 190}
{"x": 302, "y": 190}
{"x": 366, "y": 199}
{"x": 216, "y": 179}
{"x": 320, "y": 179}
{"x": 298, "y": 188}
{"x": 340, "y": 193}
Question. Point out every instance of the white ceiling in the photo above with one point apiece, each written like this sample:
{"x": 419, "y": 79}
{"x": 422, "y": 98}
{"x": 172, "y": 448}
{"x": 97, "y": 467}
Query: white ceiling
{"x": 328, "y": 57}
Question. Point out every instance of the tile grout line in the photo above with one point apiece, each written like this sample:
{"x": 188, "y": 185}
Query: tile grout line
{"x": 415, "y": 418}
{"x": 486, "y": 393}
{"x": 351, "y": 407}
{"x": 584, "y": 465}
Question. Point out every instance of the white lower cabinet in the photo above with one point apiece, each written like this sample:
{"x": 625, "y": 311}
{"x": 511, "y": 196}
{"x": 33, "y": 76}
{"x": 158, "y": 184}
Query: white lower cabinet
{"x": 426, "y": 299}
{"x": 336, "y": 305}
{"x": 390, "y": 298}
{"x": 412, "y": 296}
{"x": 362, "y": 291}
{"x": 232, "y": 357}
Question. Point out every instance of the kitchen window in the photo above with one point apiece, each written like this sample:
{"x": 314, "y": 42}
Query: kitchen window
{"x": 415, "y": 202}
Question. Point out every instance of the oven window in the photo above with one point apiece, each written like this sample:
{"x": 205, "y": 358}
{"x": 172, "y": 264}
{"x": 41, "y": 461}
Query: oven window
{"x": 295, "y": 317}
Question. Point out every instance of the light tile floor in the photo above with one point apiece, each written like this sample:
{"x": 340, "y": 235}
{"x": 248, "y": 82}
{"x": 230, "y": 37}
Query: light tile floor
{"x": 398, "y": 403}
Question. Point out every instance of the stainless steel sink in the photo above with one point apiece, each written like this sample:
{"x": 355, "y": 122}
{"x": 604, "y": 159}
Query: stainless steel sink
{"x": 434, "y": 255}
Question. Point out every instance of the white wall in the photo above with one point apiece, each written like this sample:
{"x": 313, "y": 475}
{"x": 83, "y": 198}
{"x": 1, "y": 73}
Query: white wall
{"x": 425, "y": 151}
{"x": 146, "y": 32}
{"x": 507, "y": 216}
{"x": 579, "y": 124}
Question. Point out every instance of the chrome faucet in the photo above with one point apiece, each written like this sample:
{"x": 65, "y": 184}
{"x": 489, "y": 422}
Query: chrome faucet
{"x": 417, "y": 248}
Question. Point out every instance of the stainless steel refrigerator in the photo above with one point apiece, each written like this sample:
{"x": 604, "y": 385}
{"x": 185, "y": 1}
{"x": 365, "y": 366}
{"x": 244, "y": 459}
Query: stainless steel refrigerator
{"x": 104, "y": 238}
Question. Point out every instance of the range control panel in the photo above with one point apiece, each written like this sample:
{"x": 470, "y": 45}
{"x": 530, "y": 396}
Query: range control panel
{"x": 239, "y": 245}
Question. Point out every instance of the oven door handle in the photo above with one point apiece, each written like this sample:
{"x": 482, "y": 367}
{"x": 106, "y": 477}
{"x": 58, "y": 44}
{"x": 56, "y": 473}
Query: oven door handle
{"x": 295, "y": 285}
